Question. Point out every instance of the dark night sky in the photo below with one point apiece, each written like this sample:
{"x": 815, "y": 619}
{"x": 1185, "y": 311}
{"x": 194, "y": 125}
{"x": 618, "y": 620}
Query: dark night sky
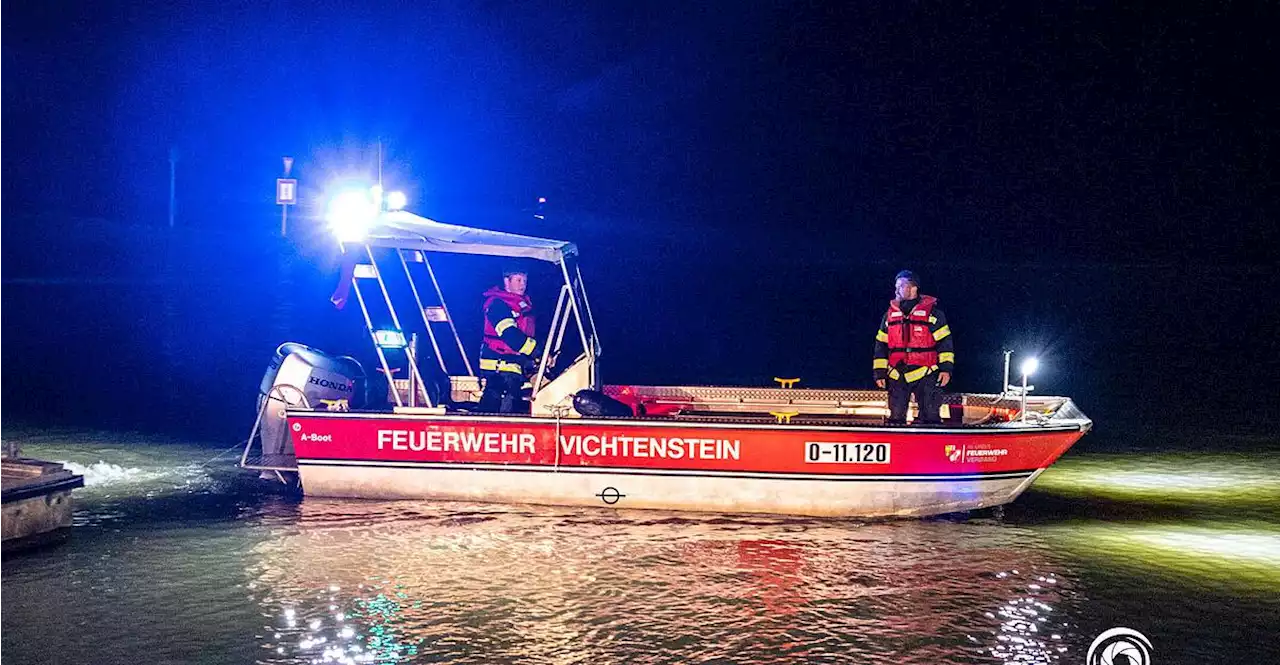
{"x": 1095, "y": 182}
{"x": 980, "y": 130}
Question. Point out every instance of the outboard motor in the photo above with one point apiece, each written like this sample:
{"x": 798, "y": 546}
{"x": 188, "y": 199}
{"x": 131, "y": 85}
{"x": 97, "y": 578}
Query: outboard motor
{"x": 300, "y": 376}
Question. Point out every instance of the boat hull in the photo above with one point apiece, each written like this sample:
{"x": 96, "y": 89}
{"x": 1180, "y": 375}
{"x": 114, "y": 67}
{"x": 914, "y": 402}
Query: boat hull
{"x": 817, "y": 498}
{"x": 779, "y": 469}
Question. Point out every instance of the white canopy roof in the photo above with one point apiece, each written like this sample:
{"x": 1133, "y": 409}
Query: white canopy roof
{"x": 405, "y": 230}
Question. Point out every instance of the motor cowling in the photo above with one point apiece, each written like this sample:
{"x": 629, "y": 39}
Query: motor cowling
{"x": 299, "y": 376}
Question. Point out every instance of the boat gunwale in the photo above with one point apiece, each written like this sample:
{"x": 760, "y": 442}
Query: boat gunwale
{"x": 1002, "y": 428}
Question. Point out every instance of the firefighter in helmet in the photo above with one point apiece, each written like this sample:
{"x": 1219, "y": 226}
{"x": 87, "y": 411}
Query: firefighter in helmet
{"x": 913, "y": 352}
{"x": 510, "y": 345}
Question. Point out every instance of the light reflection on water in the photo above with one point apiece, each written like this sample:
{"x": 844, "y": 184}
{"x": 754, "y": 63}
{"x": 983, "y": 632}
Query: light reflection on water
{"x": 1235, "y": 481}
{"x": 478, "y": 583}
{"x": 201, "y": 565}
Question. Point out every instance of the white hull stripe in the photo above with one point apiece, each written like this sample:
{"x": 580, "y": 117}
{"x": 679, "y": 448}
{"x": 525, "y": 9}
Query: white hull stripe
{"x": 635, "y": 471}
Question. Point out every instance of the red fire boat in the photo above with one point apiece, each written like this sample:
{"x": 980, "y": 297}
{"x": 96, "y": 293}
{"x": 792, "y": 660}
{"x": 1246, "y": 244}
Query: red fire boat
{"x": 781, "y": 450}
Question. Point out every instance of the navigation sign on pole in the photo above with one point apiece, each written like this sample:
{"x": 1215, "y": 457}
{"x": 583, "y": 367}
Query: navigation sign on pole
{"x": 286, "y": 194}
{"x": 286, "y": 191}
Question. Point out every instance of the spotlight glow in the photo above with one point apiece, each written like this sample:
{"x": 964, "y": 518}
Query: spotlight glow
{"x": 1241, "y": 556}
{"x": 397, "y": 201}
{"x": 351, "y": 214}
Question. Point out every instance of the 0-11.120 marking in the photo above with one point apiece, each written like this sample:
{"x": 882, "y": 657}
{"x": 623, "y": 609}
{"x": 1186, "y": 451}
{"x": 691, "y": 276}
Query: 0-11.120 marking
{"x": 846, "y": 453}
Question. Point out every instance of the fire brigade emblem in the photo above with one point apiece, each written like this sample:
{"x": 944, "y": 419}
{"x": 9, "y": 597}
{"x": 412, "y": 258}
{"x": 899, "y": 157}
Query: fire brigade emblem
{"x": 953, "y": 452}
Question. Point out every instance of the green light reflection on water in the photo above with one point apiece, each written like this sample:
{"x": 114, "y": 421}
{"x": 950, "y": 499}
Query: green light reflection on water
{"x": 1242, "y": 557}
{"x": 1204, "y": 480}
{"x": 1211, "y": 519}
{"x": 382, "y": 614}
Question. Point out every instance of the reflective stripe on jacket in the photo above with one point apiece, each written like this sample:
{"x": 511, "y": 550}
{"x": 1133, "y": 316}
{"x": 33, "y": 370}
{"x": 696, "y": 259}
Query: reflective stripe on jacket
{"x": 909, "y": 338}
{"x": 509, "y": 328}
{"x": 911, "y": 344}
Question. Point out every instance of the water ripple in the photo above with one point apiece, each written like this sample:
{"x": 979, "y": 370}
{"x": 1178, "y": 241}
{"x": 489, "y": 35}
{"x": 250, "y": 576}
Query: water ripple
{"x": 208, "y": 568}
{"x": 491, "y": 584}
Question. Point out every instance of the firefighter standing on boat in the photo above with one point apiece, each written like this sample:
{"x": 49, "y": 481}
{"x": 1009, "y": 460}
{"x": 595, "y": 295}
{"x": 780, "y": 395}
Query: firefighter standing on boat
{"x": 913, "y": 352}
{"x": 507, "y": 356}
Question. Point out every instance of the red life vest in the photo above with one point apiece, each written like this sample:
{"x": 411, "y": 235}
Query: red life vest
{"x": 521, "y": 305}
{"x": 910, "y": 339}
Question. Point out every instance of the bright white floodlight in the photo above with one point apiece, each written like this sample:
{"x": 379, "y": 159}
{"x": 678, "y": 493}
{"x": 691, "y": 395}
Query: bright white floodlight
{"x": 397, "y": 201}
{"x": 1029, "y": 367}
{"x": 351, "y": 213}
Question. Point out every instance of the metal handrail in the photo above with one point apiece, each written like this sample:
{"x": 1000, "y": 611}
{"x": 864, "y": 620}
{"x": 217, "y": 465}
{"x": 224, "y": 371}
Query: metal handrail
{"x": 409, "y": 351}
{"x": 257, "y": 423}
{"x": 551, "y": 331}
{"x": 573, "y": 302}
{"x": 426, "y": 324}
{"x": 462, "y": 351}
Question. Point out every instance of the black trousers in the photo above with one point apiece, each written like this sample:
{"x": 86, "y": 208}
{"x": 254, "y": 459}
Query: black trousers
{"x": 928, "y": 398}
{"x": 502, "y": 393}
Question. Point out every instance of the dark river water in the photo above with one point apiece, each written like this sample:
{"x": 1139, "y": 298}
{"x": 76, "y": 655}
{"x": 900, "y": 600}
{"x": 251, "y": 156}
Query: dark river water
{"x": 177, "y": 558}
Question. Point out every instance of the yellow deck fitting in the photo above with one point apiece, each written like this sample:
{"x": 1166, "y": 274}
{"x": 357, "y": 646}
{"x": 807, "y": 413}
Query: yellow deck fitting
{"x": 787, "y": 383}
{"x": 784, "y": 416}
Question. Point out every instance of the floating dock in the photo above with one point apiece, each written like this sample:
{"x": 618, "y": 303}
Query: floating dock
{"x": 37, "y": 501}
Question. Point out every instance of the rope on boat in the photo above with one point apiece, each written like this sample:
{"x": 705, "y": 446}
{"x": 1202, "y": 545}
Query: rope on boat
{"x": 235, "y": 446}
